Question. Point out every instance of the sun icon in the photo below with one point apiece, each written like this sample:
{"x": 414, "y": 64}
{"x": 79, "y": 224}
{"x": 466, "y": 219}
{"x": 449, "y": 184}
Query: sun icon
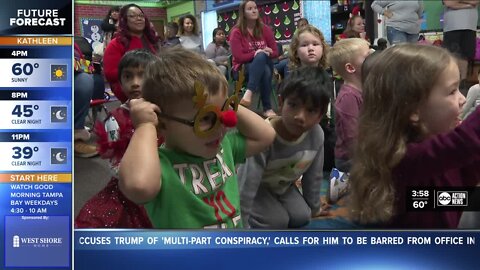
{"x": 58, "y": 72}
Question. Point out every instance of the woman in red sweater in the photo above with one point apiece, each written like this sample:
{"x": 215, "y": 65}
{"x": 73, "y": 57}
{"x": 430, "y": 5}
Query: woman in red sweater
{"x": 134, "y": 33}
{"x": 254, "y": 45}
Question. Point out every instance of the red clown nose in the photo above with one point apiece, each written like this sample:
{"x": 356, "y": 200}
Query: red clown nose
{"x": 229, "y": 118}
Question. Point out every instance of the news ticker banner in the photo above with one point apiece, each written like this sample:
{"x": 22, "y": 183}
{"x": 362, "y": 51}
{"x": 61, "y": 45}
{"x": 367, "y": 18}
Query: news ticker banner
{"x": 102, "y": 249}
{"x": 36, "y": 133}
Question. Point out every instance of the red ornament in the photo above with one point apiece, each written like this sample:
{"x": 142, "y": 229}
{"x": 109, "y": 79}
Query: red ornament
{"x": 229, "y": 118}
{"x": 379, "y": 20}
{"x": 287, "y": 33}
{"x": 276, "y": 22}
{"x": 267, "y": 10}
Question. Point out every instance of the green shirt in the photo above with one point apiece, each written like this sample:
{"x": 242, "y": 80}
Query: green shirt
{"x": 198, "y": 192}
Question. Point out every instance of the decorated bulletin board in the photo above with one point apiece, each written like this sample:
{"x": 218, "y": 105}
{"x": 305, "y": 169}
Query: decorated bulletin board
{"x": 280, "y": 16}
{"x": 90, "y": 29}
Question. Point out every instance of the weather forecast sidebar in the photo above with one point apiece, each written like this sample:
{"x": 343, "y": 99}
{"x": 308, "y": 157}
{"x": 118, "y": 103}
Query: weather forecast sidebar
{"x": 36, "y": 116}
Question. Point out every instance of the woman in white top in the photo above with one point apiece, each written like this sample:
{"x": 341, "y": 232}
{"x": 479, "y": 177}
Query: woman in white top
{"x": 218, "y": 50}
{"x": 189, "y": 37}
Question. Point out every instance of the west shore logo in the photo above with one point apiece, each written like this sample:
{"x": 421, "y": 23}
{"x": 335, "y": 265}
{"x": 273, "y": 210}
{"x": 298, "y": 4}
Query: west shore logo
{"x": 37, "y": 242}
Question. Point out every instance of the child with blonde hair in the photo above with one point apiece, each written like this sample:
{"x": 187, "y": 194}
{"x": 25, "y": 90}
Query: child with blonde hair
{"x": 308, "y": 48}
{"x": 190, "y": 181}
{"x": 346, "y": 58}
{"x": 409, "y": 136}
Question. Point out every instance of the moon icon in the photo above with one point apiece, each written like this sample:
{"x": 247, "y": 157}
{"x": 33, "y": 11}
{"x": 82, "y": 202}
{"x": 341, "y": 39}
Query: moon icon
{"x": 59, "y": 157}
{"x": 59, "y": 115}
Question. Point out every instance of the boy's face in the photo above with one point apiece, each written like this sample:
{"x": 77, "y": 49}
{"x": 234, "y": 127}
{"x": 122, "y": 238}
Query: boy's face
{"x": 181, "y": 137}
{"x": 171, "y": 32}
{"x": 297, "y": 116}
{"x": 132, "y": 80}
{"x": 355, "y": 66}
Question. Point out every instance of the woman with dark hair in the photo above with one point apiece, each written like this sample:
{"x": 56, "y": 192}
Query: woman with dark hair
{"x": 110, "y": 24}
{"x": 134, "y": 32}
{"x": 218, "y": 50}
{"x": 189, "y": 37}
{"x": 254, "y": 46}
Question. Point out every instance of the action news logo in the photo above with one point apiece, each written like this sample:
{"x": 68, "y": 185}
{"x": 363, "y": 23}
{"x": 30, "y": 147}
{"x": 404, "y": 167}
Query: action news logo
{"x": 452, "y": 198}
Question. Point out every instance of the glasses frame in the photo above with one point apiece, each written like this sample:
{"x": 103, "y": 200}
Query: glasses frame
{"x": 135, "y": 16}
{"x": 196, "y": 122}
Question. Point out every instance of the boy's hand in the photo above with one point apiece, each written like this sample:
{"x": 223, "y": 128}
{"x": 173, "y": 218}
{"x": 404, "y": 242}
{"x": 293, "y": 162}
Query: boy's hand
{"x": 143, "y": 112}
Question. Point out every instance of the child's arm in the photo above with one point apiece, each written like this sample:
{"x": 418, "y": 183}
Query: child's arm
{"x": 140, "y": 174}
{"x": 312, "y": 178}
{"x": 258, "y": 133}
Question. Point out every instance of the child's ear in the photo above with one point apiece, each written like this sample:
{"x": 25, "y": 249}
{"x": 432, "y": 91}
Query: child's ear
{"x": 349, "y": 68}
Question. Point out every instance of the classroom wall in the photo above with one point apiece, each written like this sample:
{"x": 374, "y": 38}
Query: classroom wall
{"x": 174, "y": 12}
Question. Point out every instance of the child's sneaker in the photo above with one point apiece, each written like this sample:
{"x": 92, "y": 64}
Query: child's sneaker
{"x": 338, "y": 185}
{"x": 84, "y": 150}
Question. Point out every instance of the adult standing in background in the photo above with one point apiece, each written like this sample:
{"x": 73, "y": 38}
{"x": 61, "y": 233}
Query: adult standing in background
{"x": 254, "y": 46}
{"x": 189, "y": 37}
{"x": 134, "y": 32}
{"x": 109, "y": 25}
{"x": 402, "y": 19}
{"x": 460, "y": 31}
